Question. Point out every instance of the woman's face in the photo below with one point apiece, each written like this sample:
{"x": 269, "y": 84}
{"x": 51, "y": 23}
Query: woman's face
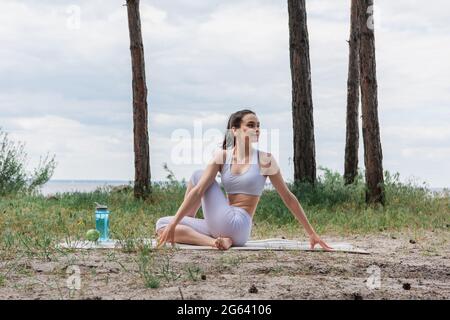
{"x": 249, "y": 130}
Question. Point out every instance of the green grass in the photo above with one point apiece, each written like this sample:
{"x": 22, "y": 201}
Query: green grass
{"x": 34, "y": 224}
{"x": 332, "y": 207}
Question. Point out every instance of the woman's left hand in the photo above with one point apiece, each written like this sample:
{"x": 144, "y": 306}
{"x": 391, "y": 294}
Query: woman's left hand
{"x": 315, "y": 239}
{"x": 167, "y": 235}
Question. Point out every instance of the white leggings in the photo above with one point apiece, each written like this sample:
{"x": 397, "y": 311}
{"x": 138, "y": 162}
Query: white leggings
{"x": 221, "y": 219}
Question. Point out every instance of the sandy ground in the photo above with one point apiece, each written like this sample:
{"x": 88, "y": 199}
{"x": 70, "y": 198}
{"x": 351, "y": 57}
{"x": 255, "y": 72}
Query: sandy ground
{"x": 400, "y": 266}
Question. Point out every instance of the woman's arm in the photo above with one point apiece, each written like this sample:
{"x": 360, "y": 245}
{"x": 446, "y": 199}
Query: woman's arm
{"x": 291, "y": 201}
{"x": 192, "y": 198}
{"x": 196, "y": 193}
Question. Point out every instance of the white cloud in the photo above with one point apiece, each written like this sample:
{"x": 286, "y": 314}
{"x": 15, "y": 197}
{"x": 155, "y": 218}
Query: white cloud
{"x": 81, "y": 150}
{"x": 176, "y": 120}
{"x": 421, "y": 134}
{"x": 439, "y": 153}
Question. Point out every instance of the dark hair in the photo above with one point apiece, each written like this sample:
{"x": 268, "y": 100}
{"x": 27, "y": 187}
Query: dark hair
{"x": 234, "y": 121}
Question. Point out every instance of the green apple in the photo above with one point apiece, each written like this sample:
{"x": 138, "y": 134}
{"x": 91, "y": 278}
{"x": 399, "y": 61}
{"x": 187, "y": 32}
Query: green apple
{"x": 92, "y": 235}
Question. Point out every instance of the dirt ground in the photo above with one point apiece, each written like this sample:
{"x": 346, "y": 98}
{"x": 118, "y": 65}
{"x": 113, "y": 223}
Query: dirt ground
{"x": 400, "y": 266}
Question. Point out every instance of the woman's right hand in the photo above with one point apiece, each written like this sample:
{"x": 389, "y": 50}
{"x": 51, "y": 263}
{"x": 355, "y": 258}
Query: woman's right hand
{"x": 167, "y": 235}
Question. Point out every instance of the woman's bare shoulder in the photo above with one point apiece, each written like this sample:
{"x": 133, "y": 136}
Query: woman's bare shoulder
{"x": 264, "y": 157}
{"x": 267, "y": 163}
{"x": 220, "y": 157}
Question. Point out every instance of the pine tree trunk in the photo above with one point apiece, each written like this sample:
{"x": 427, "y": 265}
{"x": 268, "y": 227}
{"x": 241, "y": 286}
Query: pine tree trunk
{"x": 352, "y": 134}
{"x": 142, "y": 186}
{"x": 302, "y": 106}
{"x": 369, "y": 101}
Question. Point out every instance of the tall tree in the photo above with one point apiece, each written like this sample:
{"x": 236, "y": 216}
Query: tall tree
{"x": 142, "y": 185}
{"x": 369, "y": 97}
{"x": 352, "y": 127}
{"x": 302, "y": 106}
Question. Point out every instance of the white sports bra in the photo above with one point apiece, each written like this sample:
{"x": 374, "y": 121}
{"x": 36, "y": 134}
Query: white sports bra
{"x": 249, "y": 182}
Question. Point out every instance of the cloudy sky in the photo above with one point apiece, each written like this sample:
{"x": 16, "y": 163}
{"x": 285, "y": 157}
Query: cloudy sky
{"x": 65, "y": 84}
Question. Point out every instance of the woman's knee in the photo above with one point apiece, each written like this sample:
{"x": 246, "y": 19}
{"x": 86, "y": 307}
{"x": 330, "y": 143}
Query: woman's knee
{"x": 162, "y": 222}
{"x": 239, "y": 240}
{"x": 196, "y": 175}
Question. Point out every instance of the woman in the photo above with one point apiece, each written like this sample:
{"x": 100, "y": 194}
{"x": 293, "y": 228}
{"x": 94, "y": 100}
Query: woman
{"x": 228, "y": 222}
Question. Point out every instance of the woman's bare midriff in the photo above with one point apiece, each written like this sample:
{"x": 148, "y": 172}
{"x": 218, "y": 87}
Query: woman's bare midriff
{"x": 244, "y": 201}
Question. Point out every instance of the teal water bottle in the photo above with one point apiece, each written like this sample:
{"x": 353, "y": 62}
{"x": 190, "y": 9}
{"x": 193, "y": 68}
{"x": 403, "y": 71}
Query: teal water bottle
{"x": 102, "y": 221}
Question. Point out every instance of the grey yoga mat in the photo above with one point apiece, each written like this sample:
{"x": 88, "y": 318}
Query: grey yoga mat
{"x": 264, "y": 244}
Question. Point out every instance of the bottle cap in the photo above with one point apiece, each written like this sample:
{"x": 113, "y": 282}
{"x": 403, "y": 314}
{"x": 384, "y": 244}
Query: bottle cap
{"x": 100, "y": 206}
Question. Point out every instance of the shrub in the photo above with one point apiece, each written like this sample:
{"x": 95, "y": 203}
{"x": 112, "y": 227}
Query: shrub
{"x": 13, "y": 176}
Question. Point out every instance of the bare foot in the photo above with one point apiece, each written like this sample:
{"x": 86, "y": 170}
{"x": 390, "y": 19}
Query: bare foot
{"x": 223, "y": 243}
